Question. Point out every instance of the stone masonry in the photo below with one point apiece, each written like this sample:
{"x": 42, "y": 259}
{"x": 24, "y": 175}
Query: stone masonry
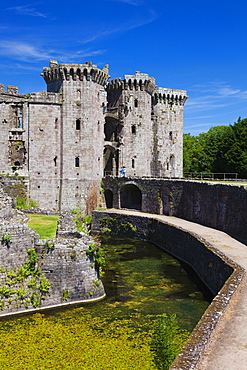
{"x": 63, "y": 272}
{"x": 85, "y": 126}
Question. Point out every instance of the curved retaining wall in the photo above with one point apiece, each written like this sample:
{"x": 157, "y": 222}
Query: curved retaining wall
{"x": 218, "y": 272}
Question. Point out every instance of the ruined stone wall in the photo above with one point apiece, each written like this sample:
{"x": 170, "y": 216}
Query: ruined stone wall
{"x": 42, "y": 273}
{"x": 219, "y": 206}
{"x": 44, "y": 153}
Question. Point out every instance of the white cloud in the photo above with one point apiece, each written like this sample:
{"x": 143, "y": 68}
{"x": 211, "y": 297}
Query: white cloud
{"x": 214, "y": 95}
{"x": 22, "y": 51}
{"x": 27, "y": 10}
{"x": 29, "y": 53}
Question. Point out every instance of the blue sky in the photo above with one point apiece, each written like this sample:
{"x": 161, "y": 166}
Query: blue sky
{"x": 198, "y": 46}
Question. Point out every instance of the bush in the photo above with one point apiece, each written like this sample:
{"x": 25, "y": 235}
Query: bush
{"x": 167, "y": 341}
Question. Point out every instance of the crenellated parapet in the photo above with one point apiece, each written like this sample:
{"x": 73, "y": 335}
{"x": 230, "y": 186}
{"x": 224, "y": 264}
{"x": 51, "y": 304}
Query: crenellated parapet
{"x": 169, "y": 96}
{"x": 138, "y": 82}
{"x": 61, "y": 72}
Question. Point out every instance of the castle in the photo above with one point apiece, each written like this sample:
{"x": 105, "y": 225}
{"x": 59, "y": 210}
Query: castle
{"x": 85, "y": 126}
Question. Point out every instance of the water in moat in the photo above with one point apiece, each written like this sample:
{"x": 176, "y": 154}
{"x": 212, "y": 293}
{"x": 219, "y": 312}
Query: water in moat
{"x": 141, "y": 282}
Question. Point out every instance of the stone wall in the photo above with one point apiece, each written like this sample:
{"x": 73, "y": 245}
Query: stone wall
{"x": 220, "y": 272}
{"x": 211, "y": 268}
{"x": 219, "y": 206}
{"x": 43, "y": 273}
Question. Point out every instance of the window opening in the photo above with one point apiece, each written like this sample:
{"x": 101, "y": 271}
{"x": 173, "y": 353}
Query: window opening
{"x": 77, "y": 162}
{"x": 136, "y": 103}
{"x": 133, "y": 129}
{"x": 133, "y": 163}
{"x": 78, "y": 124}
{"x": 55, "y": 161}
{"x": 56, "y": 123}
{"x": 20, "y": 121}
{"x": 172, "y": 161}
{"x": 170, "y": 135}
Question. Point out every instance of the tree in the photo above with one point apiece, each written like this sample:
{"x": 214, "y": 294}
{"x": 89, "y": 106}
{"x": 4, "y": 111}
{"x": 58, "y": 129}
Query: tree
{"x": 223, "y": 149}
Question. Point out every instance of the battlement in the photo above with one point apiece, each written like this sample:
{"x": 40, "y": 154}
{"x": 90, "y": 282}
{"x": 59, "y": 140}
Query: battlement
{"x": 13, "y": 90}
{"x": 138, "y": 82}
{"x": 169, "y": 96}
{"x": 89, "y": 72}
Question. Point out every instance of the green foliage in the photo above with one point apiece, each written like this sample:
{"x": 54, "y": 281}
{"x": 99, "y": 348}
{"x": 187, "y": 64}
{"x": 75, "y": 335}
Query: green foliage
{"x": 49, "y": 246}
{"x": 6, "y": 238}
{"x": 26, "y": 284}
{"x": 223, "y": 149}
{"x": 82, "y": 221}
{"x": 44, "y": 284}
{"x": 23, "y": 203}
{"x": 167, "y": 341}
{"x": 97, "y": 253}
{"x": 44, "y": 225}
{"x": 65, "y": 295}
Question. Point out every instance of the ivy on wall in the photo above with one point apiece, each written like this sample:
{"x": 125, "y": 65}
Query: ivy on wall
{"x": 23, "y": 286}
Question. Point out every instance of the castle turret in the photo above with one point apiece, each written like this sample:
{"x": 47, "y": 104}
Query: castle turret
{"x": 71, "y": 142}
{"x": 132, "y": 97}
{"x": 168, "y": 108}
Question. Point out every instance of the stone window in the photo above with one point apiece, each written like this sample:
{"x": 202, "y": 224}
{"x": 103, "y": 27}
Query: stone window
{"x": 133, "y": 129}
{"x": 170, "y": 135}
{"x": 78, "y": 124}
{"x": 77, "y": 162}
{"x": 20, "y": 121}
{"x": 55, "y": 161}
{"x": 79, "y": 94}
{"x": 56, "y": 123}
{"x": 132, "y": 163}
{"x": 136, "y": 103}
{"x": 172, "y": 161}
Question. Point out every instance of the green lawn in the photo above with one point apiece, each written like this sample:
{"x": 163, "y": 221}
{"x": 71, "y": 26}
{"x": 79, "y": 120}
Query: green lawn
{"x": 45, "y": 226}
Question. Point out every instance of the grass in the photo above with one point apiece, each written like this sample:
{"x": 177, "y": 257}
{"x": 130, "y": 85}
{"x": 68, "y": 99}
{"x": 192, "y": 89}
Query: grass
{"x": 45, "y": 226}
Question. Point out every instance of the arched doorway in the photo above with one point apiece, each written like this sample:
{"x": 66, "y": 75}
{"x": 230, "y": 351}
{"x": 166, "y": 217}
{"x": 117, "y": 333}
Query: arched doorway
{"x": 109, "y": 198}
{"x": 131, "y": 197}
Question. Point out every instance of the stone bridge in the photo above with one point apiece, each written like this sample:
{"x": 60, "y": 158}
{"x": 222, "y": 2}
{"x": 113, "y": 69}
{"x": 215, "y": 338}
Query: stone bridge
{"x": 220, "y": 206}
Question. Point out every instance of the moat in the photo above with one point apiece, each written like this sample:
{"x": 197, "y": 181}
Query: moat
{"x": 141, "y": 282}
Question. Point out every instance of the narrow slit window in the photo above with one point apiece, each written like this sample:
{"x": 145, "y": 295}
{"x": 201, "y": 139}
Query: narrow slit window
{"x": 170, "y": 135}
{"x": 55, "y": 161}
{"x": 20, "y": 121}
{"x": 78, "y": 124}
{"x": 136, "y": 103}
{"x": 133, "y": 163}
{"x": 77, "y": 162}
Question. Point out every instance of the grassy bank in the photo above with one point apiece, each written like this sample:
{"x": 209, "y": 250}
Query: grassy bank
{"x": 44, "y": 225}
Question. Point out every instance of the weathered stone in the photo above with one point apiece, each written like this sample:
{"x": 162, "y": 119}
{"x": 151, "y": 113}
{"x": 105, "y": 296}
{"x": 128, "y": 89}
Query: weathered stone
{"x": 64, "y": 140}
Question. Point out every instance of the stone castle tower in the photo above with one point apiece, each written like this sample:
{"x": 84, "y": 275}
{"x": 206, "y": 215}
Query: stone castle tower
{"x": 84, "y": 127}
